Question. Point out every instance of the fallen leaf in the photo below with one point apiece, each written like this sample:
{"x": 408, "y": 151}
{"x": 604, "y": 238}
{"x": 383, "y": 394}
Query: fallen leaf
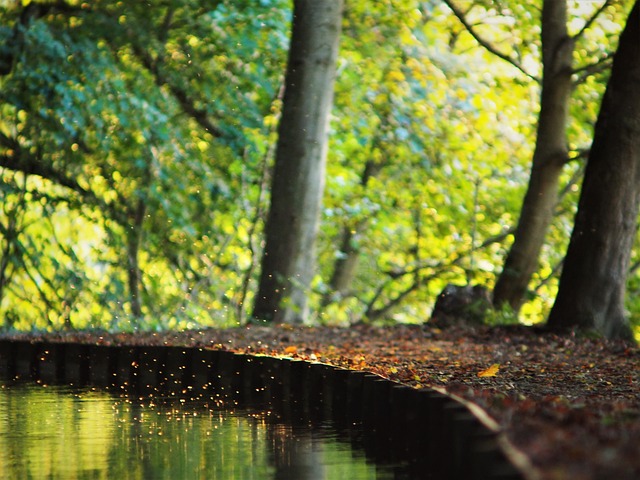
{"x": 292, "y": 350}
{"x": 491, "y": 371}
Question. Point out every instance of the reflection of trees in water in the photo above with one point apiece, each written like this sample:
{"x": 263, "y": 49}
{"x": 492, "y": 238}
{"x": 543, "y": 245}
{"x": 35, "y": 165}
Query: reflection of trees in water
{"x": 295, "y": 455}
{"x": 307, "y": 453}
{"x": 48, "y": 433}
{"x": 59, "y": 433}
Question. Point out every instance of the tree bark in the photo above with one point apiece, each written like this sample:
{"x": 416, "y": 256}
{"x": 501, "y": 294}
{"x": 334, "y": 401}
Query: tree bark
{"x": 549, "y": 156}
{"x": 593, "y": 280}
{"x": 288, "y": 261}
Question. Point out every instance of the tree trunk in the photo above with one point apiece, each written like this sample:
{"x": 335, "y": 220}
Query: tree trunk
{"x": 288, "y": 262}
{"x": 345, "y": 266}
{"x": 134, "y": 238}
{"x": 593, "y": 281}
{"x": 548, "y": 159}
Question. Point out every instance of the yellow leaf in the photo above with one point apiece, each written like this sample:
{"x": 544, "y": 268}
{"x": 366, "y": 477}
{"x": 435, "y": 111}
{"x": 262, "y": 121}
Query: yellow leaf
{"x": 491, "y": 371}
{"x": 395, "y": 76}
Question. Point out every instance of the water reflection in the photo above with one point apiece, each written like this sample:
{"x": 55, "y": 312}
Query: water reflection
{"x": 59, "y": 433}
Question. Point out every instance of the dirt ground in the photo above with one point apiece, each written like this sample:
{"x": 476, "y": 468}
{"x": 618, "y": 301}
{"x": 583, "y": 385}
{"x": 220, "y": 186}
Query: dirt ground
{"x": 571, "y": 404}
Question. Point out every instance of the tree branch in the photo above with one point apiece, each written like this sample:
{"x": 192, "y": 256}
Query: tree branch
{"x": 186, "y": 102}
{"x": 375, "y": 313}
{"x": 553, "y": 274}
{"x": 599, "y": 65}
{"x": 31, "y": 12}
{"x": 587, "y": 70}
{"x": 438, "y": 268}
{"x": 485, "y": 43}
{"x": 29, "y": 165}
{"x": 201, "y": 116}
{"x": 592, "y": 19}
{"x": 579, "y": 154}
{"x": 397, "y": 273}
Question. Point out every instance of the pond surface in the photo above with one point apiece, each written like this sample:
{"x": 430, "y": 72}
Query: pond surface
{"x": 56, "y": 432}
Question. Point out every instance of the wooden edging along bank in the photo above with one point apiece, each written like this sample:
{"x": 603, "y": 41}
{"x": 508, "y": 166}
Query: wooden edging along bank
{"x": 425, "y": 430}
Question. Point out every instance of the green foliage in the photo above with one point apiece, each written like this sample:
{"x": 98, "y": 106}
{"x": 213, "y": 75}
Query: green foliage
{"x": 106, "y": 126}
{"x": 138, "y": 137}
{"x": 501, "y": 316}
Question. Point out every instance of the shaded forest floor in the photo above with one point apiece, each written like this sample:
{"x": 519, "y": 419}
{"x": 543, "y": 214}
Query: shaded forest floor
{"x": 572, "y": 405}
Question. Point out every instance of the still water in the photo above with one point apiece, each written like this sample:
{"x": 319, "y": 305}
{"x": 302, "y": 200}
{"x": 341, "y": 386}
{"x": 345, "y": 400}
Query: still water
{"x": 53, "y": 432}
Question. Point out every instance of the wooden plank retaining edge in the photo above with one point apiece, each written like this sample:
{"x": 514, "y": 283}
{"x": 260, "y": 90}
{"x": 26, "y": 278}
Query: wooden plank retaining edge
{"x": 446, "y": 434}
{"x": 515, "y": 456}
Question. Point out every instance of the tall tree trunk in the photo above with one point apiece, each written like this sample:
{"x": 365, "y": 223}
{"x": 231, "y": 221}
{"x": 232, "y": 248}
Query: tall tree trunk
{"x": 593, "y": 280}
{"x": 548, "y": 159}
{"x": 288, "y": 262}
{"x": 134, "y": 238}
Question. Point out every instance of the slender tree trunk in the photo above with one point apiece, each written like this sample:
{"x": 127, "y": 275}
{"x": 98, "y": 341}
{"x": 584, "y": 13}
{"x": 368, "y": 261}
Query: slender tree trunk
{"x": 134, "y": 238}
{"x": 548, "y": 159}
{"x": 346, "y": 264}
{"x": 593, "y": 281}
{"x": 10, "y": 233}
{"x": 5, "y": 262}
{"x": 288, "y": 262}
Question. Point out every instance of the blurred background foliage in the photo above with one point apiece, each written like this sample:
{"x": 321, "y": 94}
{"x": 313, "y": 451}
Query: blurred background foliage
{"x": 136, "y": 141}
